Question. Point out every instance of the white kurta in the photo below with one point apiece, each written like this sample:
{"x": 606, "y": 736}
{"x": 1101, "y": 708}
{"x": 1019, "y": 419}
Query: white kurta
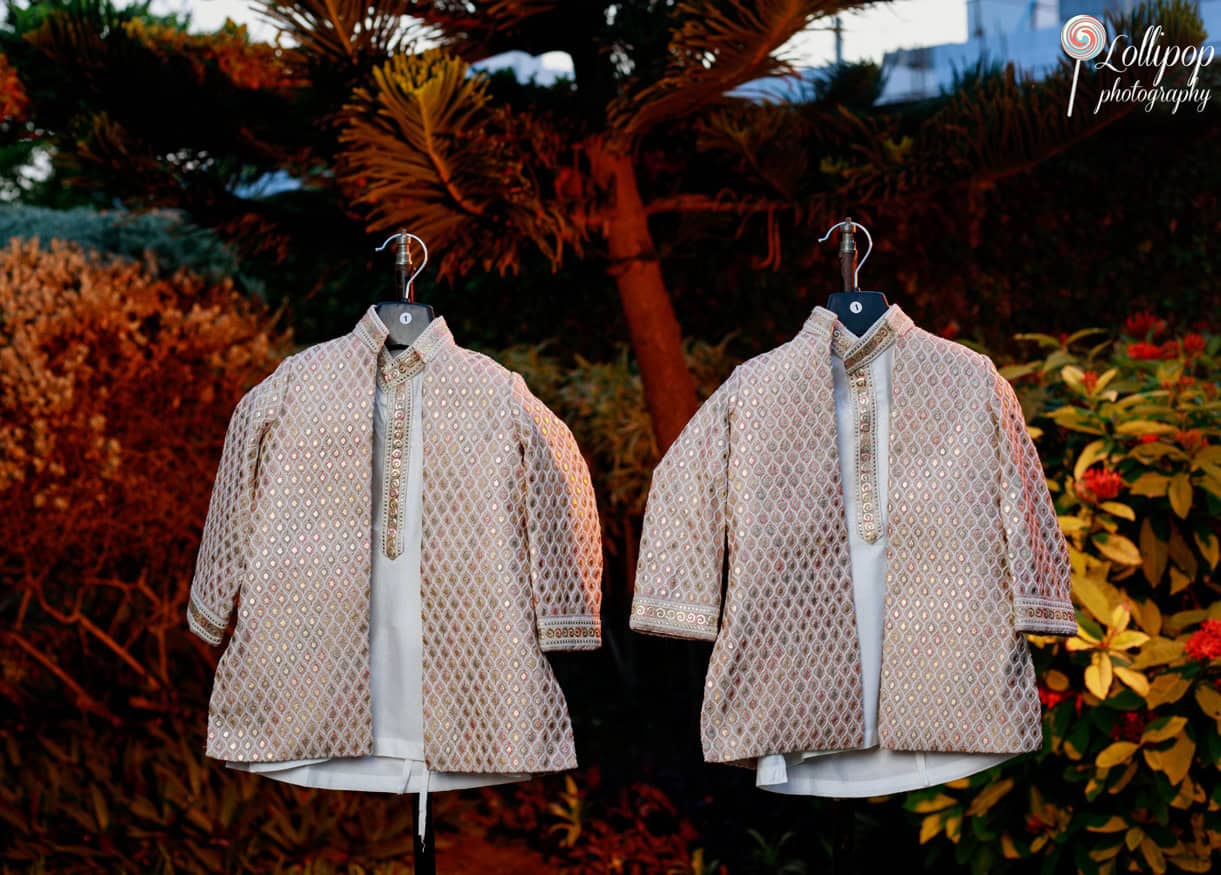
{"x": 395, "y": 641}
{"x": 868, "y": 770}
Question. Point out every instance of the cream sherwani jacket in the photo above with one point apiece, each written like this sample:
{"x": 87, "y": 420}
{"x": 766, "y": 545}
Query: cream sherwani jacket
{"x": 974, "y": 553}
{"x": 510, "y": 561}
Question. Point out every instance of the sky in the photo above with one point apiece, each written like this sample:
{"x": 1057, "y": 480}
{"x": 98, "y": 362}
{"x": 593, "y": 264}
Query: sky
{"x": 868, "y": 34}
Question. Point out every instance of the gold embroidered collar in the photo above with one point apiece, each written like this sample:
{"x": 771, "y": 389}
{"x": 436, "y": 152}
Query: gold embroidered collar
{"x": 431, "y": 343}
{"x": 857, "y": 352}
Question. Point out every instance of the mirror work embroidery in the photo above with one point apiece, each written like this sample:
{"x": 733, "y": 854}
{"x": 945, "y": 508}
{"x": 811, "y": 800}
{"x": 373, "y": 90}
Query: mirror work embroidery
{"x": 857, "y": 354}
{"x": 394, "y": 375}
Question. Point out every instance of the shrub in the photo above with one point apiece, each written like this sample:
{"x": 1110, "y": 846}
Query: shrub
{"x": 1127, "y": 778}
{"x": 115, "y": 390}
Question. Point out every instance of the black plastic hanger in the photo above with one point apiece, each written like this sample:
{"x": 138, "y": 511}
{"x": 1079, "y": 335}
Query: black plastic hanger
{"x": 856, "y": 309}
{"x": 405, "y": 318}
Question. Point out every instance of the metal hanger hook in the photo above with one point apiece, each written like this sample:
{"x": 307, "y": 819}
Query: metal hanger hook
{"x": 423, "y": 246}
{"x": 868, "y": 237}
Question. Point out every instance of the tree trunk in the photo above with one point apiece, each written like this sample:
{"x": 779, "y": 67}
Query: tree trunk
{"x": 669, "y": 390}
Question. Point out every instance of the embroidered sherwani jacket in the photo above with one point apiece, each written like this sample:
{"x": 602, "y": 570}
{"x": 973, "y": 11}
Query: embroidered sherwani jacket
{"x": 510, "y": 560}
{"x": 974, "y": 553}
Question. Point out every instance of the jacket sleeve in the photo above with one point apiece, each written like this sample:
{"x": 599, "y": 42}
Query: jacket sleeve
{"x": 682, "y": 540}
{"x": 1035, "y": 551}
{"x": 563, "y": 532}
{"x": 228, "y": 526}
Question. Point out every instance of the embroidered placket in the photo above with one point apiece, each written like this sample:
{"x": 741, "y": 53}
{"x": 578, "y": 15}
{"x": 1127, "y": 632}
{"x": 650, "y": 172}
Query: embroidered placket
{"x": 856, "y": 356}
{"x": 394, "y": 374}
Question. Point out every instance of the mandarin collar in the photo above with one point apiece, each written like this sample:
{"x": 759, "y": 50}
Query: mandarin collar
{"x": 433, "y": 340}
{"x": 854, "y": 351}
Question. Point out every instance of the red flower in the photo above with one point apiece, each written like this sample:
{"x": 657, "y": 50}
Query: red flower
{"x": 1170, "y": 349}
{"x": 1089, "y": 379}
{"x": 1193, "y": 345}
{"x": 1142, "y": 350}
{"x": 1130, "y": 726}
{"x": 1205, "y": 644}
{"x": 1140, "y": 324}
{"x": 1148, "y": 438}
{"x": 1099, "y": 484}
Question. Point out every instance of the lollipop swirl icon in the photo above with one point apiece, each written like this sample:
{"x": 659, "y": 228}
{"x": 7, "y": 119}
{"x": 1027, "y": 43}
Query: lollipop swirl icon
{"x": 1082, "y": 38}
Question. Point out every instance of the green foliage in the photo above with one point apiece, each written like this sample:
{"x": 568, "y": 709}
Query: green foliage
{"x": 603, "y": 403}
{"x": 1127, "y": 779}
{"x": 163, "y": 238}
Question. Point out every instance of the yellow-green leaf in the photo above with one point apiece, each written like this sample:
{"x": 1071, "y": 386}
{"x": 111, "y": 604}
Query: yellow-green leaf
{"x": 1116, "y": 753}
{"x": 1179, "y": 493}
{"x": 1209, "y": 548}
{"x": 1158, "y": 651}
{"x": 1150, "y": 485}
{"x": 1153, "y": 552}
{"x": 1158, "y": 731}
{"x": 1134, "y": 679}
{"x": 989, "y": 796}
{"x": 1054, "y": 679}
{"x": 1209, "y": 700}
{"x": 1165, "y": 689}
{"x": 1008, "y": 848}
{"x": 1073, "y": 525}
{"x": 1146, "y": 614}
{"x": 1096, "y": 596}
{"x": 1175, "y": 761}
{"x": 1117, "y": 548}
{"x": 1094, "y": 451}
{"x": 1118, "y": 509}
{"x": 1144, "y": 426}
{"x": 1192, "y": 863}
{"x": 936, "y": 803}
{"x": 1128, "y": 638}
{"x": 1098, "y": 675}
{"x": 953, "y": 824}
{"x": 1153, "y": 855}
{"x": 1112, "y": 824}
{"x": 929, "y": 827}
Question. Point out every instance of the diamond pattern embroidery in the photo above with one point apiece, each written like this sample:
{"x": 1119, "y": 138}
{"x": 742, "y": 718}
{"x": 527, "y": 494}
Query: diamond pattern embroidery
{"x": 511, "y": 562}
{"x": 974, "y": 554}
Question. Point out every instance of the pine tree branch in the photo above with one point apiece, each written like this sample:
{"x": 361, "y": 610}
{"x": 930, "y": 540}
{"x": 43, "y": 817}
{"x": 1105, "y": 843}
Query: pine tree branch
{"x": 423, "y": 146}
{"x": 716, "y": 47}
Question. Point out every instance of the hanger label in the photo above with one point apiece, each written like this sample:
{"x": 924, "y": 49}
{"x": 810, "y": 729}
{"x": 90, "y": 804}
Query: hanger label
{"x": 405, "y": 318}
{"x": 856, "y": 307}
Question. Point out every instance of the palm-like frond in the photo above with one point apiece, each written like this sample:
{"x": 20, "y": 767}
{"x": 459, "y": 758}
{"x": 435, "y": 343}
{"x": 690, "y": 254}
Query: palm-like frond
{"x": 474, "y": 29}
{"x": 716, "y": 47}
{"x": 422, "y": 147}
{"x": 342, "y": 32}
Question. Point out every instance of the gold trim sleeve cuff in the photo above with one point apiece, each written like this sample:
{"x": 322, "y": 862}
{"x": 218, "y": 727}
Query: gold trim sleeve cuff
{"x": 673, "y": 619}
{"x": 1044, "y": 616}
{"x": 570, "y": 632}
{"x": 202, "y": 622}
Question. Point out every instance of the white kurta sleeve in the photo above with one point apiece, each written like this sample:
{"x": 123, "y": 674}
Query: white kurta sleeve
{"x": 1035, "y": 550}
{"x": 227, "y": 528}
{"x": 682, "y": 541}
